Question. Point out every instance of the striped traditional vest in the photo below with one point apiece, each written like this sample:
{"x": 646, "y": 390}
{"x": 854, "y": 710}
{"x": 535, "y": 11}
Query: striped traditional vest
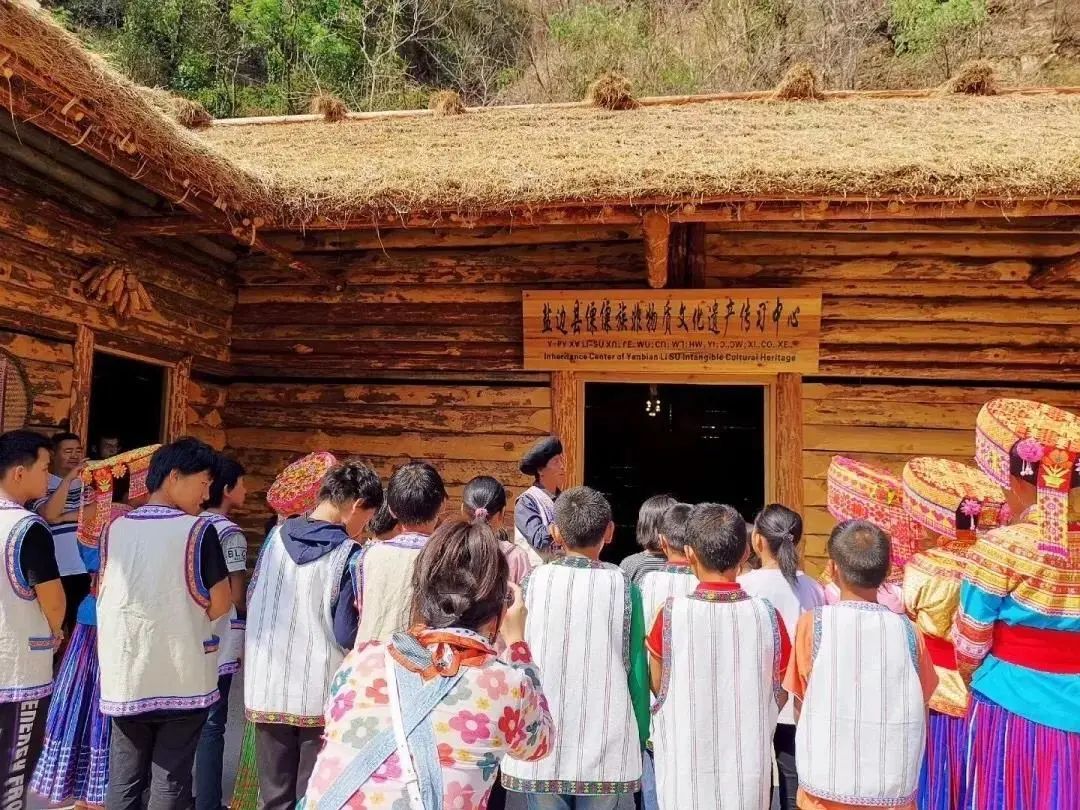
{"x": 545, "y": 505}
{"x": 578, "y": 628}
{"x": 156, "y": 645}
{"x": 290, "y": 652}
{"x": 659, "y": 586}
{"x": 862, "y": 730}
{"x": 26, "y": 643}
{"x": 229, "y": 628}
{"x": 719, "y": 683}
{"x": 383, "y": 573}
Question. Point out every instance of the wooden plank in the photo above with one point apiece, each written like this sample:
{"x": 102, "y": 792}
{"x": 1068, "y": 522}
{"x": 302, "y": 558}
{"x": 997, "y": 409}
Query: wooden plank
{"x": 975, "y": 373}
{"x": 959, "y": 226}
{"x": 982, "y": 310}
{"x": 383, "y": 295}
{"x": 816, "y": 462}
{"x": 567, "y": 422}
{"x": 835, "y": 411}
{"x": 933, "y": 393}
{"x": 439, "y": 396}
{"x": 909, "y": 441}
{"x": 387, "y": 351}
{"x": 464, "y": 312}
{"x": 859, "y": 333}
{"x": 657, "y": 232}
{"x": 258, "y": 337}
{"x": 1062, "y": 271}
{"x": 788, "y": 439}
{"x": 962, "y": 355}
{"x": 788, "y": 269}
{"x": 382, "y": 419}
{"x": 919, "y": 290}
{"x": 83, "y": 374}
{"x": 345, "y": 367}
{"x": 482, "y": 447}
{"x": 176, "y": 404}
{"x": 724, "y": 245}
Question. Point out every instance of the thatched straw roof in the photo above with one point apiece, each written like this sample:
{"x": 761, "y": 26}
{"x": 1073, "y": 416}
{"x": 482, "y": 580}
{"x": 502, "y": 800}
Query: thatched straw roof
{"x": 922, "y": 145}
{"x": 956, "y": 147}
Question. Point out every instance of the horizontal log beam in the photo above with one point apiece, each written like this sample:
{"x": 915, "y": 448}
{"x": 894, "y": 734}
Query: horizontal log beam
{"x": 1062, "y": 271}
{"x": 167, "y": 225}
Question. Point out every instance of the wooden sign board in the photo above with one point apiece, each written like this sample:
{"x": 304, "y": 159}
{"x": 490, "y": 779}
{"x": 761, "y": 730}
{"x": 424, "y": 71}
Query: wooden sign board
{"x": 705, "y": 331}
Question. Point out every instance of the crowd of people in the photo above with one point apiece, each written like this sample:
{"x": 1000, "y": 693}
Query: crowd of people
{"x": 407, "y": 652}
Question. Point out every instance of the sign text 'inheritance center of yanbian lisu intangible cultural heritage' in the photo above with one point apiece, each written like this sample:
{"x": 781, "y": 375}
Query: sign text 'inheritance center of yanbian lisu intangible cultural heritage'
{"x": 704, "y": 331}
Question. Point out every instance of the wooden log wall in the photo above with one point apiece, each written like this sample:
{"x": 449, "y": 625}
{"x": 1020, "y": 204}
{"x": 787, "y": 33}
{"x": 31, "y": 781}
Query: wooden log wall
{"x": 47, "y": 366}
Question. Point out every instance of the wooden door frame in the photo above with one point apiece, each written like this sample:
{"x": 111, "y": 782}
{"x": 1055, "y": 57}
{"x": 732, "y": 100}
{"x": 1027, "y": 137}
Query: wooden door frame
{"x": 177, "y": 378}
{"x": 783, "y": 421}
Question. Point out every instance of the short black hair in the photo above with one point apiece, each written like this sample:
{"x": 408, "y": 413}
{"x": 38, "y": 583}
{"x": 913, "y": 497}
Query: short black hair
{"x": 186, "y": 455}
{"x": 226, "y": 473}
{"x": 64, "y": 436}
{"x": 351, "y": 481}
{"x": 582, "y": 515}
{"x": 415, "y": 493}
{"x": 20, "y": 448}
{"x": 673, "y": 525}
{"x": 717, "y": 534}
{"x": 648, "y": 521}
{"x": 382, "y": 521}
{"x": 861, "y": 550}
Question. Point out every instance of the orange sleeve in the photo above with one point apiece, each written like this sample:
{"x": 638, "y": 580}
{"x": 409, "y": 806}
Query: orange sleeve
{"x": 798, "y": 672}
{"x": 928, "y": 676}
{"x": 654, "y": 642}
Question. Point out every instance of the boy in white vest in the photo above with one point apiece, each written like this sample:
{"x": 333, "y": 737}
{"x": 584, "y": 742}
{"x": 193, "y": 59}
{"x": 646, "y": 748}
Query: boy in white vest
{"x": 163, "y": 584}
{"x": 31, "y": 611}
{"x": 382, "y": 572}
{"x": 717, "y": 658}
{"x": 586, "y": 624}
{"x": 862, "y": 679}
{"x": 227, "y": 492}
{"x": 301, "y": 620}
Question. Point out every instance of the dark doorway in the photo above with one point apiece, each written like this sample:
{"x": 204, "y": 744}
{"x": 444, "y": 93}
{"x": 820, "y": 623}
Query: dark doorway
{"x": 127, "y": 400}
{"x": 694, "y": 442}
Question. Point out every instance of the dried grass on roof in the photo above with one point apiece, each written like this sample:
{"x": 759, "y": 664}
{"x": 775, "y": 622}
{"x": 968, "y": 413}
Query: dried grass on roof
{"x": 40, "y": 45}
{"x": 187, "y": 113}
{"x": 955, "y": 147}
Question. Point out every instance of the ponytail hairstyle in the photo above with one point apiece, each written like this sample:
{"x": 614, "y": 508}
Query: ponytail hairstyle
{"x": 782, "y": 529}
{"x": 460, "y": 578}
{"x": 484, "y": 497}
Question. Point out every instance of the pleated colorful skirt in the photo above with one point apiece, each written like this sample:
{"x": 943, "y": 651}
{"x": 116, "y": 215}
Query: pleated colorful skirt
{"x": 246, "y": 792}
{"x": 942, "y": 784}
{"x": 74, "y": 762}
{"x": 1016, "y": 764}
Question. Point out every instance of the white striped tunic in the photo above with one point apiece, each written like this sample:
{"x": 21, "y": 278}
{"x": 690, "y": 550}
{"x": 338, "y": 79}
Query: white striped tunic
{"x": 291, "y": 654}
{"x": 578, "y": 628}
{"x": 659, "y": 586}
{"x": 862, "y": 729}
{"x": 719, "y": 700}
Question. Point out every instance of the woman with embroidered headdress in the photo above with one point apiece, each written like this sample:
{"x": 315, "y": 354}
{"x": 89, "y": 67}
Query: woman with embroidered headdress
{"x": 74, "y": 765}
{"x": 425, "y": 719}
{"x": 534, "y": 510}
{"x": 1017, "y": 632}
{"x": 953, "y": 504}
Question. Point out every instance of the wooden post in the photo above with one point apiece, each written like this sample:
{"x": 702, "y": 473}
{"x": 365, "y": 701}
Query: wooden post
{"x": 79, "y": 415}
{"x": 788, "y": 439}
{"x": 176, "y": 407}
{"x": 567, "y": 423}
{"x": 657, "y": 230}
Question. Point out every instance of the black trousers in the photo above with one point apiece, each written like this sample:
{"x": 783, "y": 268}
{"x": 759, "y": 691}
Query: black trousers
{"x": 285, "y": 756}
{"x": 784, "y": 746}
{"x": 22, "y": 731}
{"x": 155, "y": 749}
{"x": 76, "y": 588}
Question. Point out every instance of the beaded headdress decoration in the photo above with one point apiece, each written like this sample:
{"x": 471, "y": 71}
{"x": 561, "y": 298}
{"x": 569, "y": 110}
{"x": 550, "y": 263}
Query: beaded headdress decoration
{"x": 952, "y": 500}
{"x": 857, "y": 490}
{"x": 98, "y": 478}
{"x": 296, "y": 490}
{"x": 1037, "y": 443}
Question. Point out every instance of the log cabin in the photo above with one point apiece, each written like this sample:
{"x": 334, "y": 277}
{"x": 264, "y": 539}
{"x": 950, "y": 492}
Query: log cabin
{"x": 280, "y": 285}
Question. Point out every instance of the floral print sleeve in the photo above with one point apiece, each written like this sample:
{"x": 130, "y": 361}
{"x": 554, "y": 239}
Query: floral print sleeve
{"x": 529, "y": 729}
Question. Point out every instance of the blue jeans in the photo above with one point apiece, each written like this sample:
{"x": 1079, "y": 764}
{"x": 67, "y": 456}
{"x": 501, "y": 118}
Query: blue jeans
{"x": 211, "y": 750}
{"x": 648, "y": 781}
{"x": 562, "y": 801}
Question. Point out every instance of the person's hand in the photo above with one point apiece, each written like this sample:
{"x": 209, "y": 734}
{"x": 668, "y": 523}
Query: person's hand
{"x": 76, "y": 471}
{"x": 512, "y": 629}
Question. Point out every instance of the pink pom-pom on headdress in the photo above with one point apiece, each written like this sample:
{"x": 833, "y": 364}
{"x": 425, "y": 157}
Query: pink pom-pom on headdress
{"x": 1029, "y": 451}
{"x": 480, "y": 513}
{"x": 971, "y": 507}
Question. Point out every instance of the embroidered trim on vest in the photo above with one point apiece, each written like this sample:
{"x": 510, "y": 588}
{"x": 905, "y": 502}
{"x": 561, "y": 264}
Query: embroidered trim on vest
{"x": 859, "y": 801}
{"x": 676, "y": 568}
{"x": 120, "y": 708}
{"x": 13, "y": 554}
{"x": 282, "y": 719}
{"x": 155, "y": 512}
{"x": 573, "y": 788}
{"x": 778, "y": 687}
{"x": 20, "y": 693}
{"x": 719, "y": 596}
{"x": 665, "y": 662}
{"x": 817, "y": 634}
{"x": 196, "y": 587}
{"x": 42, "y": 642}
{"x": 211, "y": 644}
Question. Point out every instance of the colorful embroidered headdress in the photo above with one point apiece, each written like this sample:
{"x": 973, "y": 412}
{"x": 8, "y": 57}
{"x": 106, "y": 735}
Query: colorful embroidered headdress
{"x": 98, "y": 478}
{"x": 951, "y": 500}
{"x": 296, "y": 490}
{"x": 1037, "y": 443}
{"x": 857, "y": 490}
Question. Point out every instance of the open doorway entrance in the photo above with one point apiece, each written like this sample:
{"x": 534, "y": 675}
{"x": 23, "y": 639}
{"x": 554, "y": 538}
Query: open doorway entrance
{"x": 694, "y": 442}
{"x": 127, "y": 403}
